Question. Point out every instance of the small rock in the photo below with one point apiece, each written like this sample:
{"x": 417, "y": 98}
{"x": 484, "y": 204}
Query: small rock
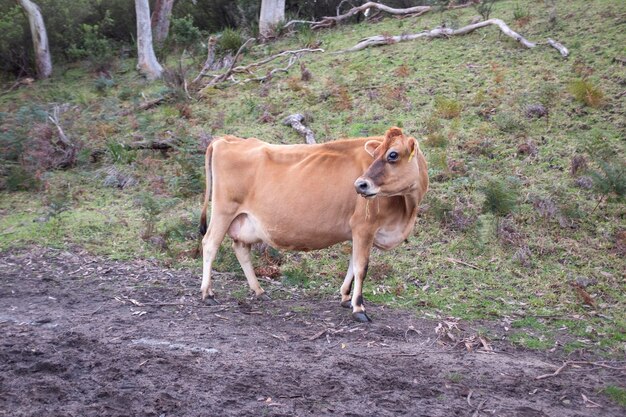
{"x": 536, "y": 111}
{"x": 584, "y": 182}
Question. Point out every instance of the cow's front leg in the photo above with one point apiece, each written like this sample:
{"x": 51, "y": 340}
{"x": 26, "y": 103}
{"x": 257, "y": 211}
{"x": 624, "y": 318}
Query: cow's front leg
{"x": 346, "y": 287}
{"x": 360, "y": 259}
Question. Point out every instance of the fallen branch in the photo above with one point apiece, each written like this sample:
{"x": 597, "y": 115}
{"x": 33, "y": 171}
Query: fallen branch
{"x": 223, "y": 77}
{"x": 559, "y": 47}
{"x": 441, "y": 32}
{"x": 249, "y": 69}
{"x": 148, "y": 104}
{"x": 329, "y": 21}
{"x": 295, "y": 121}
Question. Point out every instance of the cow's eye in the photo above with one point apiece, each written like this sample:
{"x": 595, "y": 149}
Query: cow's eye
{"x": 393, "y": 156}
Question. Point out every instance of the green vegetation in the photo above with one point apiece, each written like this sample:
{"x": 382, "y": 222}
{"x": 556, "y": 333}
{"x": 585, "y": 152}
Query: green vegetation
{"x": 504, "y": 231}
{"x": 617, "y": 394}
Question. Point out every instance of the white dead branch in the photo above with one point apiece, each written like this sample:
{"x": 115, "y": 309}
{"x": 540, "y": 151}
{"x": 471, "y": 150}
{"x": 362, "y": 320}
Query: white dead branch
{"x": 562, "y": 49}
{"x": 295, "y": 121}
{"x": 443, "y": 32}
{"x": 330, "y": 21}
{"x": 231, "y": 71}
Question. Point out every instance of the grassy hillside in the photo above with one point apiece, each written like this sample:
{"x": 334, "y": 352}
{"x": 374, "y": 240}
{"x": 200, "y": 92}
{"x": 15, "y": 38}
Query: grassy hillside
{"x": 523, "y": 225}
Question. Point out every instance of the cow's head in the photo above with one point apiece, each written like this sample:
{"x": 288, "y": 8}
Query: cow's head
{"x": 395, "y": 168}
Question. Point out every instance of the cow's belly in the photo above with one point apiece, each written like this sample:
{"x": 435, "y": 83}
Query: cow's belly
{"x": 247, "y": 228}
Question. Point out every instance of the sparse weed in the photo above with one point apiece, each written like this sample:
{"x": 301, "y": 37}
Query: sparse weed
{"x": 508, "y": 122}
{"x": 298, "y": 276}
{"x": 447, "y": 108}
{"x": 586, "y": 92}
{"x": 617, "y": 394}
{"x": 120, "y": 154}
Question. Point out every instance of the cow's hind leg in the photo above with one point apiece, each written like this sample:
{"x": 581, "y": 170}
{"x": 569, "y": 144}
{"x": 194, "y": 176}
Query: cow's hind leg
{"x": 346, "y": 287}
{"x": 242, "y": 251}
{"x": 210, "y": 245}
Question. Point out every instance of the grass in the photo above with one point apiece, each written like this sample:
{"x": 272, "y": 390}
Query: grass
{"x": 617, "y": 394}
{"x": 465, "y": 97}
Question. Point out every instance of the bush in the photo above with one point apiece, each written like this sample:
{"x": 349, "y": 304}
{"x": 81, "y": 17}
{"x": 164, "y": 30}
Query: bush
{"x": 500, "y": 197}
{"x": 230, "y": 41}
{"x": 94, "y": 46}
{"x": 183, "y": 33}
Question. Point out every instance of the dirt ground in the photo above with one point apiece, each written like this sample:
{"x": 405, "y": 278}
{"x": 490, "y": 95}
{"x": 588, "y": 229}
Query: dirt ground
{"x": 86, "y": 336}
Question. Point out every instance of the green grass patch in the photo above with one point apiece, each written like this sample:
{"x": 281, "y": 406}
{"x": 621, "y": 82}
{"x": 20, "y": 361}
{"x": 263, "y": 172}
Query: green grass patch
{"x": 617, "y": 394}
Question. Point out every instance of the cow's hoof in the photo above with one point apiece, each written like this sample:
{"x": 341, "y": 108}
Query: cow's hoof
{"x": 361, "y": 317}
{"x": 263, "y": 297}
{"x": 346, "y": 304}
{"x": 211, "y": 301}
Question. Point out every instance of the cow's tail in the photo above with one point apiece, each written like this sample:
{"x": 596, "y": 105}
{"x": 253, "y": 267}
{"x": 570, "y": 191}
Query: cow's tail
{"x": 207, "y": 193}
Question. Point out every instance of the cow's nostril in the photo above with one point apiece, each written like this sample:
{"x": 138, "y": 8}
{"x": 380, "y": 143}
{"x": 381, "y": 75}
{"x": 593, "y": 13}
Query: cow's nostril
{"x": 363, "y": 185}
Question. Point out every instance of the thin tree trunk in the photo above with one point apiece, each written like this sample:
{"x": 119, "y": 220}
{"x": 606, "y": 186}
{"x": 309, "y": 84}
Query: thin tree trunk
{"x": 161, "y": 20}
{"x": 40, "y": 38}
{"x": 272, "y": 12}
{"x": 147, "y": 62}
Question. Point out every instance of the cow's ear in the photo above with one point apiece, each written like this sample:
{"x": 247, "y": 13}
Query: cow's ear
{"x": 413, "y": 147}
{"x": 371, "y": 146}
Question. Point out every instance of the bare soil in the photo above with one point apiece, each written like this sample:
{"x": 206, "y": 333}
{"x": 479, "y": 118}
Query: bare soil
{"x": 87, "y": 336}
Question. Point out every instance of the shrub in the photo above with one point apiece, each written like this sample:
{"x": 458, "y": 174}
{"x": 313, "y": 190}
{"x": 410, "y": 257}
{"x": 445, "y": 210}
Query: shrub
{"x": 183, "y": 33}
{"x": 610, "y": 179}
{"x": 94, "y": 46}
{"x": 500, "y": 197}
{"x": 230, "y": 41}
{"x": 584, "y": 91}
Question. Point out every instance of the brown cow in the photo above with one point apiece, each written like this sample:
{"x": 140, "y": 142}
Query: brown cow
{"x": 302, "y": 197}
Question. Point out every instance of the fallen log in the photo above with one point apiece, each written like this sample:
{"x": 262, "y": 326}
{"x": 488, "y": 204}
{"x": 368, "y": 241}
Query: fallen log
{"x": 443, "y": 32}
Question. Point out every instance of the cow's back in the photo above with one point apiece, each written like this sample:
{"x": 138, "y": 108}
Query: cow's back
{"x": 298, "y": 196}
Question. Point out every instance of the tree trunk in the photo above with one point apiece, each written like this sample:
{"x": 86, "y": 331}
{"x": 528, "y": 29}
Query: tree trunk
{"x": 272, "y": 12}
{"x": 161, "y": 20}
{"x": 40, "y": 38}
{"x": 147, "y": 62}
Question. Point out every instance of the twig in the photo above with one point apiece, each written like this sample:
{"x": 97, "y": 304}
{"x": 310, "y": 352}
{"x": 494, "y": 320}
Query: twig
{"x": 478, "y": 409}
{"x": 567, "y": 363}
{"x": 555, "y": 373}
{"x": 458, "y": 261}
{"x": 317, "y": 335}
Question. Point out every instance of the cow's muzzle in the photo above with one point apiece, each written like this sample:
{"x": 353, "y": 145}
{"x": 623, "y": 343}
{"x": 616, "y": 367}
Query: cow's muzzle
{"x": 366, "y": 187}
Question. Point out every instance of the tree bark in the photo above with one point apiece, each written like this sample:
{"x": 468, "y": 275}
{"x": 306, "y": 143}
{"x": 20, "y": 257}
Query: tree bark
{"x": 272, "y": 12}
{"x": 40, "y": 38}
{"x": 161, "y": 20}
{"x": 147, "y": 62}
